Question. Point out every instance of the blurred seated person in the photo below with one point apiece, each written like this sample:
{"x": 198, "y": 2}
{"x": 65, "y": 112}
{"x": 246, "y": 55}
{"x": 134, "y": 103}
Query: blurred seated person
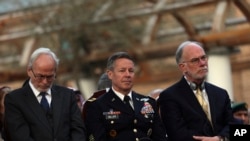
{"x": 103, "y": 85}
{"x": 155, "y": 93}
{"x": 240, "y": 112}
{"x": 3, "y": 91}
{"x": 79, "y": 98}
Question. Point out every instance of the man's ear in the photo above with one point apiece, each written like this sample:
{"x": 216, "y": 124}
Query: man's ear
{"x": 28, "y": 70}
{"x": 109, "y": 73}
{"x": 181, "y": 66}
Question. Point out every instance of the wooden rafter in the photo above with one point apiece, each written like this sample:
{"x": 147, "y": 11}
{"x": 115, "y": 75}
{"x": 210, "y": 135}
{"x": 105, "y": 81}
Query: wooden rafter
{"x": 151, "y": 50}
{"x": 152, "y": 24}
{"x": 186, "y": 24}
{"x": 131, "y": 14}
{"x": 102, "y": 10}
{"x": 150, "y": 11}
{"x": 244, "y": 7}
{"x": 220, "y": 16}
{"x": 227, "y": 38}
{"x": 231, "y": 38}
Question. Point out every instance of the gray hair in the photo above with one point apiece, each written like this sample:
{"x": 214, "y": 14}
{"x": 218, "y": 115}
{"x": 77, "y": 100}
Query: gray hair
{"x": 179, "y": 51}
{"x": 38, "y": 52}
{"x": 115, "y": 56}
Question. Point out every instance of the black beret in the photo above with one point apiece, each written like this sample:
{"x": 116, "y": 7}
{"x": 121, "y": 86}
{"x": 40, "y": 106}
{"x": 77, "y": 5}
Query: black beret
{"x": 242, "y": 106}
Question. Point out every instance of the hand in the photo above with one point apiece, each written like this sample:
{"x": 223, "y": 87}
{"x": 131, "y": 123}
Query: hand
{"x": 205, "y": 138}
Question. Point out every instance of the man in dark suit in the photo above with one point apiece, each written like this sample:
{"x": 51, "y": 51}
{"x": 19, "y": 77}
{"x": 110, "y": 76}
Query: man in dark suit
{"x": 122, "y": 114}
{"x": 40, "y": 110}
{"x": 185, "y": 115}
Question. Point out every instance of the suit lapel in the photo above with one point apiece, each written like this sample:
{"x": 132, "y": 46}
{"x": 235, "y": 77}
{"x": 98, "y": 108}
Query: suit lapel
{"x": 57, "y": 107}
{"x": 189, "y": 96}
{"x": 211, "y": 100}
{"x": 35, "y": 107}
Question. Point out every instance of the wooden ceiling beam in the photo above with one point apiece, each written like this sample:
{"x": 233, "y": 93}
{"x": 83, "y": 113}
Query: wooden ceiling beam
{"x": 153, "y": 51}
{"x": 186, "y": 24}
{"x": 151, "y": 11}
{"x": 220, "y": 16}
{"x": 102, "y": 10}
{"x": 244, "y": 6}
{"x": 232, "y": 38}
{"x": 226, "y": 38}
{"x": 152, "y": 24}
{"x": 131, "y": 14}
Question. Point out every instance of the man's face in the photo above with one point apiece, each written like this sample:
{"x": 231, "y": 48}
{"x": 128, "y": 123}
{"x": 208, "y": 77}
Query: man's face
{"x": 194, "y": 63}
{"x": 242, "y": 115}
{"x": 42, "y": 74}
{"x": 122, "y": 75}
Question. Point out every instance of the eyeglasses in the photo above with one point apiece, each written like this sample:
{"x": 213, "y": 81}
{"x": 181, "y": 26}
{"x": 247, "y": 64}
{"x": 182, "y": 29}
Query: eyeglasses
{"x": 42, "y": 77}
{"x": 196, "y": 61}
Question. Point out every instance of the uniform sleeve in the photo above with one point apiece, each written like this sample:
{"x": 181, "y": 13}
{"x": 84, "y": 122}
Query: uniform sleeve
{"x": 159, "y": 132}
{"x": 94, "y": 123}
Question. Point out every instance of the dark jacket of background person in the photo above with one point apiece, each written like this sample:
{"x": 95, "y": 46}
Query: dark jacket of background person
{"x": 109, "y": 120}
{"x": 3, "y": 92}
{"x": 26, "y": 121}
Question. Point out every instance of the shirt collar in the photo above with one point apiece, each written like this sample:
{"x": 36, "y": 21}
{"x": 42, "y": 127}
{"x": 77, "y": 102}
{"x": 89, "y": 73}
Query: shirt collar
{"x": 35, "y": 91}
{"x": 120, "y": 95}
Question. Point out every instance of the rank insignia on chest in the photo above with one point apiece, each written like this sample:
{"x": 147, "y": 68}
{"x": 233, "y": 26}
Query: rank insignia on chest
{"x": 112, "y": 114}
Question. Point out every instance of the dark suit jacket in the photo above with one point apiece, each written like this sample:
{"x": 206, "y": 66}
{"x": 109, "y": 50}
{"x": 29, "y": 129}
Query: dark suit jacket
{"x": 108, "y": 119}
{"x": 26, "y": 121}
{"x": 183, "y": 116}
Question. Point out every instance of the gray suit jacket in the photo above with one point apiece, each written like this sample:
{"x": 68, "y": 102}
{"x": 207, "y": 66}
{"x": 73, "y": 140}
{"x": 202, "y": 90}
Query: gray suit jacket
{"x": 26, "y": 121}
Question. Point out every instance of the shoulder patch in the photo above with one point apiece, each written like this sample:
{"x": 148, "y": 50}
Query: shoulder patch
{"x": 92, "y": 99}
{"x": 151, "y": 98}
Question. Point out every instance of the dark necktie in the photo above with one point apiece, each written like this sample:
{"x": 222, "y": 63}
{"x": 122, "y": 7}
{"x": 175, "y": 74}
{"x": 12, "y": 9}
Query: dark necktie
{"x": 126, "y": 101}
{"x": 44, "y": 103}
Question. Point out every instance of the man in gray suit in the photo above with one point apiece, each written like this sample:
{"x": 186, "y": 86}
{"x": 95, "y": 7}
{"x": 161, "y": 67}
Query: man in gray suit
{"x": 40, "y": 110}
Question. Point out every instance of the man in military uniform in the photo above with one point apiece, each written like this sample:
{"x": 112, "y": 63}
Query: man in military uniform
{"x": 122, "y": 114}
